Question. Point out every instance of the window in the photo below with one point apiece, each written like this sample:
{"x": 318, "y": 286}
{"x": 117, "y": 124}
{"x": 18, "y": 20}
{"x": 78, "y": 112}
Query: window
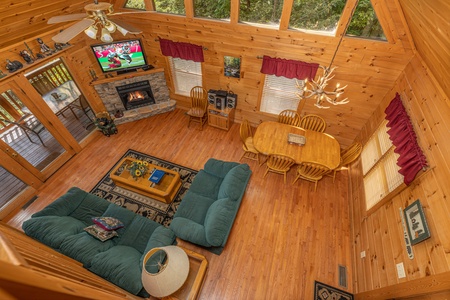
{"x": 170, "y": 6}
{"x": 365, "y": 23}
{"x": 280, "y": 93}
{"x": 135, "y": 4}
{"x": 186, "y": 74}
{"x": 261, "y": 12}
{"x": 316, "y": 15}
{"x": 380, "y": 170}
{"x": 212, "y": 9}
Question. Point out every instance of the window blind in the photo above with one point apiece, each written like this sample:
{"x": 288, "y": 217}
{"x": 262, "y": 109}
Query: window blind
{"x": 186, "y": 74}
{"x": 279, "y": 93}
{"x": 380, "y": 169}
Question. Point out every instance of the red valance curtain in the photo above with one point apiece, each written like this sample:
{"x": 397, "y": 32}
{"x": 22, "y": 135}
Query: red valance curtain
{"x": 289, "y": 68}
{"x": 402, "y": 134}
{"x": 181, "y": 50}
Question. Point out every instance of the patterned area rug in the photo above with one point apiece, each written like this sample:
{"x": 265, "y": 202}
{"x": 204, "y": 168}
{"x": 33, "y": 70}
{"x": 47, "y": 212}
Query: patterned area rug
{"x": 150, "y": 208}
{"x": 326, "y": 292}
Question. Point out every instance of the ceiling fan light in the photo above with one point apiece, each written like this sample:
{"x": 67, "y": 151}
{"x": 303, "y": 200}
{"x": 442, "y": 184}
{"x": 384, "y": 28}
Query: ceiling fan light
{"x": 106, "y": 37}
{"x": 91, "y": 32}
{"x": 111, "y": 27}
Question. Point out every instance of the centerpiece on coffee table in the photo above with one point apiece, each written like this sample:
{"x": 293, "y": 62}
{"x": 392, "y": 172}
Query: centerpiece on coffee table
{"x": 138, "y": 168}
{"x": 135, "y": 179}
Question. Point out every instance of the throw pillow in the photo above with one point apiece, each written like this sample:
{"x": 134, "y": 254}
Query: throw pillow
{"x": 99, "y": 233}
{"x": 108, "y": 223}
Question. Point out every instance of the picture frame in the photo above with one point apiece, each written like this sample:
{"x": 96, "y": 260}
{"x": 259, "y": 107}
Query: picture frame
{"x": 416, "y": 223}
{"x": 232, "y": 66}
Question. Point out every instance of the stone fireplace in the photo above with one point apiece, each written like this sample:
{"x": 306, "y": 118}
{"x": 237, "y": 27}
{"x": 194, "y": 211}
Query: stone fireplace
{"x": 136, "y": 96}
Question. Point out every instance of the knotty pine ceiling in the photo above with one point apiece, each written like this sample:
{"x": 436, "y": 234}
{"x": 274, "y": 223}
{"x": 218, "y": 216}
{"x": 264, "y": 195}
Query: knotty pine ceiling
{"x": 412, "y": 27}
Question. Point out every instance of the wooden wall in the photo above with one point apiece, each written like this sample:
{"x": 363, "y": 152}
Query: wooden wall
{"x": 380, "y": 233}
{"x": 429, "y": 24}
{"x": 368, "y": 67}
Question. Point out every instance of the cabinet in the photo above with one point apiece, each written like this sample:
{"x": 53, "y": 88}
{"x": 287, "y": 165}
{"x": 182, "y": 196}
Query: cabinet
{"x": 220, "y": 118}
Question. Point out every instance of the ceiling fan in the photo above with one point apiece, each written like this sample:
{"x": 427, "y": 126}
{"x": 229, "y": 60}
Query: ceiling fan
{"x": 98, "y": 15}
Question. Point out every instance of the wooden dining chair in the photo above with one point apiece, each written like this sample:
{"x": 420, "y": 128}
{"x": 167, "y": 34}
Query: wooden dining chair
{"x": 246, "y": 134}
{"x": 313, "y": 122}
{"x": 290, "y": 117}
{"x": 279, "y": 163}
{"x": 199, "y": 102}
{"x": 348, "y": 156}
{"x": 311, "y": 171}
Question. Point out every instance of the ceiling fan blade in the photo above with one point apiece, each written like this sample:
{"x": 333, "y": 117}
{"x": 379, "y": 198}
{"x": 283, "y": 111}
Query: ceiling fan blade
{"x": 69, "y": 33}
{"x": 127, "y": 27}
{"x": 66, "y": 18}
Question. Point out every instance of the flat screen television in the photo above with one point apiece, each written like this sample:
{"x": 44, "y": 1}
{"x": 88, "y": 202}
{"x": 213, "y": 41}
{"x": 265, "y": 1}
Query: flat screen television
{"x": 120, "y": 56}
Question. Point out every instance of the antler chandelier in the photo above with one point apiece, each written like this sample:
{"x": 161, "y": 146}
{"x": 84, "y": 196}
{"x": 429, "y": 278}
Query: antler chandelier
{"x": 317, "y": 89}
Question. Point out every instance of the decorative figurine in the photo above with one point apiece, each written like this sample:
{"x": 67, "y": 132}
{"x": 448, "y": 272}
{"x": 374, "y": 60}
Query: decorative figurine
{"x": 13, "y": 66}
{"x": 26, "y": 56}
{"x": 44, "y": 48}
{"x": 30, "y": 51}
{"x": 58, "y": 46}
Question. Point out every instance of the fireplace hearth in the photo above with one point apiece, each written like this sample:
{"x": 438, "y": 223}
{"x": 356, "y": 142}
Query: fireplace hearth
{"x": 136, "y": 94}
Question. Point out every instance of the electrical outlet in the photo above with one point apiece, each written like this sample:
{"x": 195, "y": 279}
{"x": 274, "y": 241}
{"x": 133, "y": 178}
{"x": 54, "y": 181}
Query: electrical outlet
{"x": 363, "y": 254}
{"x": 401, "y": 270}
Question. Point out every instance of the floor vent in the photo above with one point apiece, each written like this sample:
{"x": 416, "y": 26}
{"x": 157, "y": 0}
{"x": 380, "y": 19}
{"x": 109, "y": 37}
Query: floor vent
{"x": 29, "y": 202}
{"x": 342, "y": 271}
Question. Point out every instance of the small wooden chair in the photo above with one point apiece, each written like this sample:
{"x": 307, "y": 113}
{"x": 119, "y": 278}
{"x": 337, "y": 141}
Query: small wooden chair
{"x": 278, "y": 163}
{"x": 246, "y": 134}
{"x": 289, "y": 117}
{"x": 348, "y": 156}
{"x": 311, "y": 171}
{"x": 199, "y": 102}
{"x": 314, "y": 123}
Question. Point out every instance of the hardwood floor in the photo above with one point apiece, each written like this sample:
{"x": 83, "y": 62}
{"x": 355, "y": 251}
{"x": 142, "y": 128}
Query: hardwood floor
{"x": 285, "y": 236}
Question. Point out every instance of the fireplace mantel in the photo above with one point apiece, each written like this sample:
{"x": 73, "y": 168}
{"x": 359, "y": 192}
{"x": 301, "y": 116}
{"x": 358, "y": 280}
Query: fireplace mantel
{"x": 106, "y": 89}
{"x": 125, "y": 76}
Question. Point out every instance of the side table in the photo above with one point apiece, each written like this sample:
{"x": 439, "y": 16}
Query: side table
{"x": 220, "y": 118}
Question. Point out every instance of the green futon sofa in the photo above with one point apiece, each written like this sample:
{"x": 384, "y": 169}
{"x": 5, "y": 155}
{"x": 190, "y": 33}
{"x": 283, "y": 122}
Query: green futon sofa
{"x": 208, "y": 209}
{"x": 61, "y": 225}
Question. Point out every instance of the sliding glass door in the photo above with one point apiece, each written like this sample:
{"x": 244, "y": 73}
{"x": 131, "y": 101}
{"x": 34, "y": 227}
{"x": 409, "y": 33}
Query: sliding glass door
{"x": 32, "y": 139}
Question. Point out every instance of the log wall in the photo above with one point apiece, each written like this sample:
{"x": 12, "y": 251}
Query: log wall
{"x": 368, "y": 67}
{"x": 380, "y": 233}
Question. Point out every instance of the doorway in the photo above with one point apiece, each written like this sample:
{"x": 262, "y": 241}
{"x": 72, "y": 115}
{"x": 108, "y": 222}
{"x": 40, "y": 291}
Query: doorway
{"x": 43, "y": 119}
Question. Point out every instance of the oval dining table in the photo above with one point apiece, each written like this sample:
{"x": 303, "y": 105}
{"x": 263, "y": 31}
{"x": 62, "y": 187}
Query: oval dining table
{"x": 272, "y": 138}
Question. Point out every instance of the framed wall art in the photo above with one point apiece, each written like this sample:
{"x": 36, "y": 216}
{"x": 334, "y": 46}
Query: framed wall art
{"x": 416, "y": 223}
{"x": 232, "y": 66}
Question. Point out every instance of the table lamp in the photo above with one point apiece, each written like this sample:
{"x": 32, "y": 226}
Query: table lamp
{"x": 164, "y": 270}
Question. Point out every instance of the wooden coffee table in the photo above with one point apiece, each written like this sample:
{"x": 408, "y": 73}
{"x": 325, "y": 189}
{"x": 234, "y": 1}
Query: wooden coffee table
{"x": 164, "y": 191}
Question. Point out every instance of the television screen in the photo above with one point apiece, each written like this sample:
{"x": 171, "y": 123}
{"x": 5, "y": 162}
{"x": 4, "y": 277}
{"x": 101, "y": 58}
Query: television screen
{"x": 120, "y": 56}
